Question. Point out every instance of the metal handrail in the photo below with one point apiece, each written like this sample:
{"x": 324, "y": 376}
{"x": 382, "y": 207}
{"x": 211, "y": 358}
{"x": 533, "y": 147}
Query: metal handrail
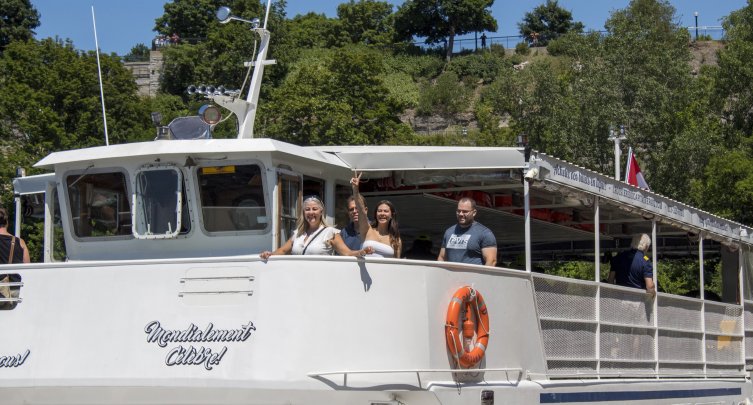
{"x": 11, "y": 300}
{"x": 454, "y": 371}
{"x": 12, "y": 284}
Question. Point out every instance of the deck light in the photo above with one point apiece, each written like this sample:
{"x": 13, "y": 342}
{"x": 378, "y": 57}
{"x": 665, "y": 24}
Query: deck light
{"x": 202, "y": 89}
{"x": 220, "y": 89}
{"x": 191, "y": 89}
{"x": 156, "y": 118}
{"x": 210, "y": 89}
{"x": 256, "y": 22}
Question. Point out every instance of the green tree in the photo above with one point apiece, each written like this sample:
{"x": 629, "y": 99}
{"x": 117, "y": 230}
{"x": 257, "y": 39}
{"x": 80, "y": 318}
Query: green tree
{"x": 367, "y": 22}
{"x": 733, "y": 78}
{"x": 193, "y": 18}
{"x": 18, "y": 18}
{"x": 219, "y": 60}
{"x": 638, "y": 75}
{"x": 726, "y": 187}
{"x": 340, "y": 102}
{"x": 139, "y": 52}
{"x": 438, "y": 20}
{"x": 51, "y": 102}
{"x": 549, "y": 20}
{"x": 312, "y": 30}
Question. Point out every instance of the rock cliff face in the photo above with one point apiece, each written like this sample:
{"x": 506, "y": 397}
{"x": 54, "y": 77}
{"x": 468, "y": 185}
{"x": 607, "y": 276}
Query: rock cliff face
{"x": 433, "y": 124}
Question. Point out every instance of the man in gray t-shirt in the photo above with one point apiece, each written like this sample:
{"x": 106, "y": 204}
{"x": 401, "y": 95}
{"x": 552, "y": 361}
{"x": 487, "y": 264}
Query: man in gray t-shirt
{"x": 468, "y": 241}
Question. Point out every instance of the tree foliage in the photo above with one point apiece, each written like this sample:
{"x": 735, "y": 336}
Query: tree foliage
{"x": 369, "y": 22}
{"x": 638, "y": 75}
{"x": 51, "y": 102}
{"x": 18, "y": 18}
{"x": 440, "y": 20}
{"x": 342, "y": 102}
{"x": 549, "y": 20}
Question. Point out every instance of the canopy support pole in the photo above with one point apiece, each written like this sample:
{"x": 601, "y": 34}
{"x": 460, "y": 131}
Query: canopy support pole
{"x": 18, "y": 215}
{"x": 527, "y": 212}
{"x": 597, "y": 246}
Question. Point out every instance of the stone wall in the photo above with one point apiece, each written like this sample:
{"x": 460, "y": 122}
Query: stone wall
{"x": 147, "y": 74}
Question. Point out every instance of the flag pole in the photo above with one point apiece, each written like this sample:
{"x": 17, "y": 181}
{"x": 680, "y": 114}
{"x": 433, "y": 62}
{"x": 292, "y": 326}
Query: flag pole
{"x": 629, "y": 161}
{"x": 99, "y": 70}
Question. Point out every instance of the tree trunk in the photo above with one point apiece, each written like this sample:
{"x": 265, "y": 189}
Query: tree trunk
{"x": 450, "y": 42}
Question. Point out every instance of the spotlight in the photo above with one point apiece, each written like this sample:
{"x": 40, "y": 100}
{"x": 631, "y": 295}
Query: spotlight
{"x": 202, "y": 89}
{"x": 191, "y": 89}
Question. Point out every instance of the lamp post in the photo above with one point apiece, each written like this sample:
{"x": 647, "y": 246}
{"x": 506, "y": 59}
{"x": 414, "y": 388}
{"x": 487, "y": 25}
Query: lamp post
{"x": 617, "y": 152}
{"x": 696, "y": 26}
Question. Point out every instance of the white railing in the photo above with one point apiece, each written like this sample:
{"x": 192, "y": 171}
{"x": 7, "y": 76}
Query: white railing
{"x": 598, "y": 330}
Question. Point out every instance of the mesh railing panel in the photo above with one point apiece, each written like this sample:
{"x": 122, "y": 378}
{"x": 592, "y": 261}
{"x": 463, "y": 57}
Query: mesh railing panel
{"x": 571, "y": 365}
{"x": 680, "y": 369}
{"x": 723, "y": 319}
{"x": 568, "y": 340}
{"x": 679, "y": 314}
{"x": 612, "y": 367}
{"x": 724, "y": 349}
{"x": 561, "y": 299}
{"x": 626, "y": 343}
{"x": 749, "y": 316}
{"x": 749, "y": 345}
{"x": 680, "y": 346}
{"x": 749, "y": 365}
{"x": 626, "y": 307}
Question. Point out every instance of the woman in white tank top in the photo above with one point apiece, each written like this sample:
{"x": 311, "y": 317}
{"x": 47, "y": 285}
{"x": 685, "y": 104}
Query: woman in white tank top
{"x": 313, "y": 235}
{"x": 383, "y": 234}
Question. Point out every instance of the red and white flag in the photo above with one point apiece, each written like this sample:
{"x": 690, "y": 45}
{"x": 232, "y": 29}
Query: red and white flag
{"x": 633, "y": 174}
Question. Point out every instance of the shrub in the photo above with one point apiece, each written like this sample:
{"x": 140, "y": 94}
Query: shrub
{"x": 498, "y": 50}
{"x": 522, "y": 49}
{"x": 704, "y": 37}
{"x": 447, "y": 93}
{"x": 485, "y": 66}
{"x": 414, "y": 66}
{"x": 402, "y": 88}
{"x": 514, "y": 60}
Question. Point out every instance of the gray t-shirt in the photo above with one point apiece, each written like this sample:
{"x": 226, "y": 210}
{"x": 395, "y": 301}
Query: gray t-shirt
{"x": 464, "y": 245}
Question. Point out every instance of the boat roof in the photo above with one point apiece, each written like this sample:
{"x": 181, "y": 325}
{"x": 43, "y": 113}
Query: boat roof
{"x": 205, "y": 147}
{"x": 375, "y": 158}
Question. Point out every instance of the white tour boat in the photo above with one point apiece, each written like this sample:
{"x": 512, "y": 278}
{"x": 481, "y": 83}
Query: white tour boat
{"x": 152, "y": 290}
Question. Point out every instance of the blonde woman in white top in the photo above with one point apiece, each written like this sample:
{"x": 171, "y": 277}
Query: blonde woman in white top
{"x": 314, "y": 236}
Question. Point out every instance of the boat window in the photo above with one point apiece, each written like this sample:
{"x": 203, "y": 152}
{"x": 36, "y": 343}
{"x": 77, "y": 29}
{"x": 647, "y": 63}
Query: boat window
{"x": 290, "y": 203}
{"x": 232, "y": 198}
{"x": 313, "y": 186}
{"x": 342, "y": 192}
{"x": 158, "y": 203}
{"x": 59, "y": 254}
{"x": 99, "y": 204}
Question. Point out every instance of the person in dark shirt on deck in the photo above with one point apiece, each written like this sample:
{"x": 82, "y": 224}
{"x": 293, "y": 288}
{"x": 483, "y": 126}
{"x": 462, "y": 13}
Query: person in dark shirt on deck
{"x": 632, "y": 268}
{"x": 468, "y": 241}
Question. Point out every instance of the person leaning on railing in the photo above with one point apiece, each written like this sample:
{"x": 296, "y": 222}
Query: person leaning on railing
{"x": 632, "y": 268}
{"x": 313, "y": 236}
{"x": 12, "y": 249}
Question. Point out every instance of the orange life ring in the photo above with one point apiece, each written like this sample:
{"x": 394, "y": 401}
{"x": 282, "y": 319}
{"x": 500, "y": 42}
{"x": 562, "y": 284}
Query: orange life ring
{"x": 472, "y": 300}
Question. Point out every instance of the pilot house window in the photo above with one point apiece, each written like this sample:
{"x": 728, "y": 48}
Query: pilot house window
{"x": 232, "y": 198}
{"x": 99, "y": 204}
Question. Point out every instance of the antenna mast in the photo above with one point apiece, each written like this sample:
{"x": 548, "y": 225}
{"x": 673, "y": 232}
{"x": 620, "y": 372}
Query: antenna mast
{"x": 99, "y": 70}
